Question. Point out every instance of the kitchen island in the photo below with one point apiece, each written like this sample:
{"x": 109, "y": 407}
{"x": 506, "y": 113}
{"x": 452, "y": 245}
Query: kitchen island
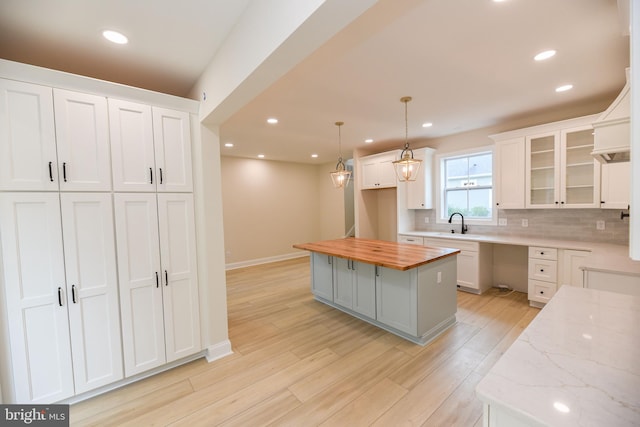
{"x": 405, "y": 289}
{"x": 576, "y": 364}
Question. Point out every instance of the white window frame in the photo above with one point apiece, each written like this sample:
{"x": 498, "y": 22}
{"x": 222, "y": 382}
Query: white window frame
{"x": 439, "y": 175}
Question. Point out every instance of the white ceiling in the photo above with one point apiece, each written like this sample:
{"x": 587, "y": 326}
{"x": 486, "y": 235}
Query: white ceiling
{"x": 467, "y": 64}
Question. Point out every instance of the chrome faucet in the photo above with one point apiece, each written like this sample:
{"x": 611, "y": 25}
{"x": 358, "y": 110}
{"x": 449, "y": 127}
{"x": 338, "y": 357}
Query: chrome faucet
{"x": 463, "y": 229}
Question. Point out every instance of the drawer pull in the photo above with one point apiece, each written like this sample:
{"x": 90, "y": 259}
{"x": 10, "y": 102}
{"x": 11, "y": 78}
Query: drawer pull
{"x": 541, "y": 253}
{"x": 542, "y": 270}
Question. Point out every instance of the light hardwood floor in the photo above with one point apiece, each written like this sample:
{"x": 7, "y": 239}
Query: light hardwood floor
{"x": 298, "y": 362}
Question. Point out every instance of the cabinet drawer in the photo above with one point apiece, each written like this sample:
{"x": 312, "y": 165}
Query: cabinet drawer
{"x": 452, "y": 243}
{"x": 412, "y": 240}
{"x": 543, "y": 253}
{"x": 542, "y": 269}
{"x": 541, "y": 291}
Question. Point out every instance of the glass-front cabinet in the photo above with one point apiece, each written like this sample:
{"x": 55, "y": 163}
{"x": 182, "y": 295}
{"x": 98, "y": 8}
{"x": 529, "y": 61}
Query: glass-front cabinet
{"x": 561, "y": 171}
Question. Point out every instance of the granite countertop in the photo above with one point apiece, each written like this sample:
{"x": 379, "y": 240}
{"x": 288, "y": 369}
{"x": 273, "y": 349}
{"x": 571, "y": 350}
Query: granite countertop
{"x": 394, "y": 255}
{"x": 576, "y": 364}
{"x": 603, "y": 257}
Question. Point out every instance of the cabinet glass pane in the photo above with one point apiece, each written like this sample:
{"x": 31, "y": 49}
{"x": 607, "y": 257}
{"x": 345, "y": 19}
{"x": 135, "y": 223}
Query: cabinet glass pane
{"x": 542, "y": 172}
{"x": 579, "y": 167}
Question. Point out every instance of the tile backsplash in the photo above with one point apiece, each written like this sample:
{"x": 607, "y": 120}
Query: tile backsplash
{"x": 560, "y": 224}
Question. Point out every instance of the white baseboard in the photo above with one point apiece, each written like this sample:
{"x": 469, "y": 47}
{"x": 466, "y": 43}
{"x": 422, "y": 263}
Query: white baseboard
{"x": 218, "y": 351}
{"x": 267, "y": 260}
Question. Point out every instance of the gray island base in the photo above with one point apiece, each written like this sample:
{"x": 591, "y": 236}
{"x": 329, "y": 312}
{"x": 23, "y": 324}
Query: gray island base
{"x": 417, "y": 302}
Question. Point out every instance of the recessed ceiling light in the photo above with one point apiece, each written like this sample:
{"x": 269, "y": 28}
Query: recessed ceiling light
{"x": 564, "y": 88}
{"x": 261, "y": 156}
{"x": 315, "y": 156}
{"x": 228, "y": 145}
{"x": 115, "y": 37}
{"x": 368, "y": 141}
{"x": 544, "y": 55}
{"x": 427, "y": 125}
{"x": 272, "y": 121}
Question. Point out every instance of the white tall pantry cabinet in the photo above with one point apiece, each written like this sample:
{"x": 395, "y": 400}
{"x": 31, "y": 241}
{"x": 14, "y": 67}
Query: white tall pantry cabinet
{"x": 98, "y": 277}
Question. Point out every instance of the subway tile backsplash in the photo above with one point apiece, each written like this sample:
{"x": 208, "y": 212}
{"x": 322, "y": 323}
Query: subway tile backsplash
{"x": 560, "y": 224}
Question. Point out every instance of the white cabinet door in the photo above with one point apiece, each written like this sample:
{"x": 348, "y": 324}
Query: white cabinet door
{"x": 419, "y": 193}
{"x": 172, "y": 141}
{"x": 179, "y": 271}
{"x": 139, "y": 276}
{"x": 82, "y": 134}
{"x": 27, "y": 138}
{"x": 572, "y": 275}
{"x": 364, "y": 288}
{"x": 580, "y": 172}
{"x": 542, "y": 181}
{"x": 386, "y": 171}
{"x": 510, "y": 172}
{"x": 35, "y": 297}
{"x": 397, "y": 299}
{"x": 616, "y": 183}
{"x": 369, "y": 174}
{"x": 322, "y": 275}
{"x": 343, "y": 283}
{"x": 132, "y": 152}
{"x": 468, "y": 269}
{"x": 92, "y": 289}
{"x": 376, "y": 171}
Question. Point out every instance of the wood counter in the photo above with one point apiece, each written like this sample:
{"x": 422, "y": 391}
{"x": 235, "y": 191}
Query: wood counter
{"x": 398, "y": 256}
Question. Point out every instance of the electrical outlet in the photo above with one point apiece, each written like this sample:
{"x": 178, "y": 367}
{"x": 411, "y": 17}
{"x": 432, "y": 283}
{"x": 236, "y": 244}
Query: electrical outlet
{"x": 426, "y": 220}
{"x": 439, "y": 278}
{"x": 502, "y": 221}
{"x": 525, "y": 222}
{"x": 600, "y": 225}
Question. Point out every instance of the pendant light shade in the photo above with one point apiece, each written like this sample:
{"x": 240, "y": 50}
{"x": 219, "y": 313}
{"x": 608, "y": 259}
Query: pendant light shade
{"x": 340, "y": 176}
{"x": 407, "y": 167}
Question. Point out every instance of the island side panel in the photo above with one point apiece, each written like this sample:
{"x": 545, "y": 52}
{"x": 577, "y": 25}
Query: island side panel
{"x": 437, "y": 297}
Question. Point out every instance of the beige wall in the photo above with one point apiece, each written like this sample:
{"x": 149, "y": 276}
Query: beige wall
{"x": 268, "y": 206}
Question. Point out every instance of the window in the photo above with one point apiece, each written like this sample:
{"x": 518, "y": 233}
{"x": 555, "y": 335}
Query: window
{"x": 466, "y": 186}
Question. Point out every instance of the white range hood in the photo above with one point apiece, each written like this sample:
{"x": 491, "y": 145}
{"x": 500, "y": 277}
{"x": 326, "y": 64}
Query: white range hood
{"x": 612, "y": 130}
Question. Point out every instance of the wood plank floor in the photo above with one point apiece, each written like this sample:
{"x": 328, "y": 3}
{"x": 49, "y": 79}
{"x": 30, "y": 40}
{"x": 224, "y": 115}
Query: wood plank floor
{"x": 298, "y": 362}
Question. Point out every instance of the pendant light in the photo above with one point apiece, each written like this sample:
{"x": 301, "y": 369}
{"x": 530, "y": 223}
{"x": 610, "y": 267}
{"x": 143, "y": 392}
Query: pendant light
{"x": 407, "y": 167}
{"x": 340, "y": 176}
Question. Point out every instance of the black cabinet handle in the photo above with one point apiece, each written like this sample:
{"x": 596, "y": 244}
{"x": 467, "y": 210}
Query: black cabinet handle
{"x": 160, "y": 175}
{"x": 166, "y": 278}
{"x": 377, "y": 272}
{"x": 60, "y": 296}
{"x": 150, "y": 175}
{"x": 50, "y": 172}
{"x": 329, "y": 260}
{"x": 73, "y": 294}
{"x": 64, "y": 171}
{"x": 157, "y": 281}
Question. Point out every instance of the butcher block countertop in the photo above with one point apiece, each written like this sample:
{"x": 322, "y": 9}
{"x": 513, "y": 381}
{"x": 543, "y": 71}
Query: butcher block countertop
{"x": 394, "y": 255}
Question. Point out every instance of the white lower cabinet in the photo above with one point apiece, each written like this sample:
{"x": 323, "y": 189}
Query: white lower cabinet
{"x": 397, "y": 304}
{"x": 158, "y": 281}
{"x": 64, "y": 335}
{"x": 543, "y": 274}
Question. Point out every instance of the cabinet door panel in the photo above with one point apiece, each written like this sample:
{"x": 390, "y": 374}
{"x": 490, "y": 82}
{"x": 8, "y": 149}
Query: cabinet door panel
{"x": 27, "y": 137}
{"x": 132, "y": 154}
{"x": 510, "y": 181}
{"x": 82, "y": 134}
{"x": 179, "y": 269}
{"x": 616, "y": 178}
{"x": 322, "y": 275}
{"x": 139, "y": 276}
{"x": 468, "y": 269}
{"x": 364, "y": 289}
{"x": 343, "y": 283}
{"x": 35, "y": 297}
{"x": 92, "y": 285}
{"x": 397, "y": 303}
{"x": 172, "y": 141}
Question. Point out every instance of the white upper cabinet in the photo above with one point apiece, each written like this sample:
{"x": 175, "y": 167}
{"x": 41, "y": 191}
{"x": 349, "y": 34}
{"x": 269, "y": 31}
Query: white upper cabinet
{"x": 28, "y": 160}
{"x": 35, "y": 297}
{"x": 420, "y": 191}
{"x": 510, "y": 164}
{"x": 132, "y": 153}
{"x": 616, "y": 185}
{"x": 560, "y": 169}
{"x": 376, "y": 171}
{"x": 92, "y": 289}
{"x": 172, "y": 141}
{"x": 82, "y": 133}
{"x": 150, "y": 147}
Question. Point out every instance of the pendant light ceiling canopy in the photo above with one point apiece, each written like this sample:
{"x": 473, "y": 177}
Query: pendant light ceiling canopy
{"x": 340, "y": 176}
{"x": 407, "y": 167}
